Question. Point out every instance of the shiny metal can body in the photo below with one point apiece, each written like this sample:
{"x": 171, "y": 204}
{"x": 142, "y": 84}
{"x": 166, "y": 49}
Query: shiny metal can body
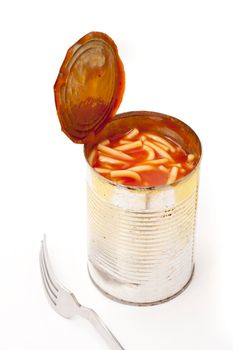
{"x": 141, "y": 239}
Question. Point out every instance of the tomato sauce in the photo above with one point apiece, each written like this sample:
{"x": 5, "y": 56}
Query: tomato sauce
{"x": 141, "y": 159}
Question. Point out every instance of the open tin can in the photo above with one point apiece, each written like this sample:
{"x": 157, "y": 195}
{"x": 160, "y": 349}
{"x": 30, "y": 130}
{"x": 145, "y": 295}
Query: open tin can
{"x": 140, "y": 239}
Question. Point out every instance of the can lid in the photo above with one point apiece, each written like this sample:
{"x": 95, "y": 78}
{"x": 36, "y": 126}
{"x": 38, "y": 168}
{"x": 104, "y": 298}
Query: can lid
{"x": 89, "y": 87}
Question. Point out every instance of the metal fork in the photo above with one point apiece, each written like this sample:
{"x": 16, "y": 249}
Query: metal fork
{"x": 65, "y": 303}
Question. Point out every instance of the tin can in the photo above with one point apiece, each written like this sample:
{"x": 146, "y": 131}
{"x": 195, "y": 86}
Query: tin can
{"x": 141, "y": 239}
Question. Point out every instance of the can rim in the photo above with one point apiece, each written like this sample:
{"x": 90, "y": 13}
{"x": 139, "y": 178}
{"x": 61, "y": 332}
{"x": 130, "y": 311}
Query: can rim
{"x": 152, "y": 188}
{"x": 144, "y": 304}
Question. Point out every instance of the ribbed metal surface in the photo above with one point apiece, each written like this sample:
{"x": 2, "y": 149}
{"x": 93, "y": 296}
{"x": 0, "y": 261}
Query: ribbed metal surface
{"x": 140, "y": 256}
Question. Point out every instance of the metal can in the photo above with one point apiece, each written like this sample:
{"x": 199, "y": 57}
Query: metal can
{"x": 141, "y": 239}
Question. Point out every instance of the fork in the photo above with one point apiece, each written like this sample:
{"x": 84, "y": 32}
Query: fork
{"x": 65, "y": 303}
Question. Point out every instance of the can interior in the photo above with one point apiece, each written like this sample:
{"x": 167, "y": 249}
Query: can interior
{"x": 163, "y": 124}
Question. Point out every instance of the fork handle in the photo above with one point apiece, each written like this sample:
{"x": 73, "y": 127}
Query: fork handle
{"x": 102, "y": 329}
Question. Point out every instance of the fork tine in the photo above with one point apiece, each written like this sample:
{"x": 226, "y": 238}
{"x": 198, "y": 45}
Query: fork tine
{"x": 48, "y": 269}
{"x": 45, "y": 283}
{"x": 51, "y": 288}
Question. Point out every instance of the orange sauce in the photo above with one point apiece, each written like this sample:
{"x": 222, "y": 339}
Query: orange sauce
{"x": 141, "y": 159}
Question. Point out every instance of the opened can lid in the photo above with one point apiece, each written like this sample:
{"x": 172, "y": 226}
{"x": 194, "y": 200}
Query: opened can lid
{"x": 89, "y": 87}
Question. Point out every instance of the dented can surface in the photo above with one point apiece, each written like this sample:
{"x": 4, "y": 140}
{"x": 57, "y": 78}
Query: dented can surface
{"x": 141, "y": 239}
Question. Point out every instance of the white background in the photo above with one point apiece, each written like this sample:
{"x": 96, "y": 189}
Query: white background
{"x": 178, "y": 60}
